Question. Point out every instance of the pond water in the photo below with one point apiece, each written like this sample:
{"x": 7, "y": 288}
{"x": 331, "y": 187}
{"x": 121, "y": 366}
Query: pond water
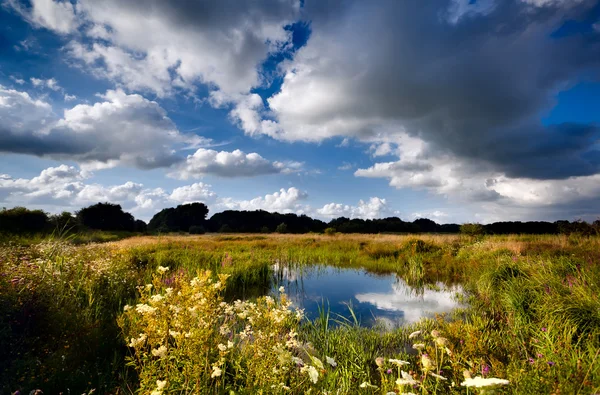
{"x": 384, "y": 298}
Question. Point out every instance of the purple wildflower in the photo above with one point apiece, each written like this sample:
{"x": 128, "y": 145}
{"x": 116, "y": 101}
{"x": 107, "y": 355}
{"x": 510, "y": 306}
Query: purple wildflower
{"x": 485, "y": 369}
{"x": 544, "y": 329}
{"x": 540, "y": 355}
{"x": 531, "y": 361}
{"x": 389, "y": 371}
{"x": 550, "y": 363}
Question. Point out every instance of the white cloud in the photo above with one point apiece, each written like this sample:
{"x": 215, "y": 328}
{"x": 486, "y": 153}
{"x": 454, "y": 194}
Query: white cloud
{"x": 284, "y": 201}
{"x": 122, "y": 129}
{"x": 56, "y": 15}
{"x": 225, "y": 164}
{"x": 373, "y": 208}
{"x": 49, "y": 83}
{"x": 68, "y": 97}
{"x": 198, "y": 192}
{"x": 18, "y": 81}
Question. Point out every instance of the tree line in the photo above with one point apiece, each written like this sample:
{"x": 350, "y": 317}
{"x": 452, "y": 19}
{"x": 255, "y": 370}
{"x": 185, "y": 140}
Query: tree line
{"x": 192, "y": 218}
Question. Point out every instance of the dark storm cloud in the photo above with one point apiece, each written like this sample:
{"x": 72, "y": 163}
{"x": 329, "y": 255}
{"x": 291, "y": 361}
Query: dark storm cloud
{"x": 476, "y": 88}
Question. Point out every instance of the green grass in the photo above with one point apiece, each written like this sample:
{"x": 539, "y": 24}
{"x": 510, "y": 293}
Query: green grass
{"x": 533, "y": 315}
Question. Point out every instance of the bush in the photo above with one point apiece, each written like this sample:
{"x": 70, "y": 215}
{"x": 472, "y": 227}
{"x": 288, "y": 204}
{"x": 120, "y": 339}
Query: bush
{"x": 197, "y": 230}
{"x": 22, "y": 220}
{"x": 281, "y": 228}
{"x": 472, "y": 229}
{"x": 330, "y": 231}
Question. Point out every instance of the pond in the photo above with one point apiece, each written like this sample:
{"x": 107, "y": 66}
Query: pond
{"x": 383, "y": 298}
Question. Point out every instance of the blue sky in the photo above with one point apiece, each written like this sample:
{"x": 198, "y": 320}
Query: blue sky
{"x": 325, "y": 108}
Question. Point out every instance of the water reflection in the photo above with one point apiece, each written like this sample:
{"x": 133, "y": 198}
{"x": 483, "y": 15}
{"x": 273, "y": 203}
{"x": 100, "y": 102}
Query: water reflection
{"x": 373, "y": 297}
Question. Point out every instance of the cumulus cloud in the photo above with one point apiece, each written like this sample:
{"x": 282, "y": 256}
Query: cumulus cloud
{"x": 373, "y": 208}
{"x": 121, "y": 129}
{"x": 49, "y": 83}
{"x": 226, "y": 164}
{"x": 284, "y": 201}
{"x": 172, "y": 43}
{"x": 479, "y": 103}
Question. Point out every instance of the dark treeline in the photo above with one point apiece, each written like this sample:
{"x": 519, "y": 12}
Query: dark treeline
{"x": 192, "y": 218}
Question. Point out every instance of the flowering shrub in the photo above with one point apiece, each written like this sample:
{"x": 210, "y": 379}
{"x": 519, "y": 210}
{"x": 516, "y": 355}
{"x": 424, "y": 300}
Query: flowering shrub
{"x": 184, "y": 337}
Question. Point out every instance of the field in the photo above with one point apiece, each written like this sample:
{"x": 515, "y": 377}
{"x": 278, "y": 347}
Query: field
{"x": 159, "y": 315}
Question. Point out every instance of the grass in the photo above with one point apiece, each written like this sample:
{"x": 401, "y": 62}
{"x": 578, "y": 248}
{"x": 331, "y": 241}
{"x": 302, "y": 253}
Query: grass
{"x": 533, "y": 315}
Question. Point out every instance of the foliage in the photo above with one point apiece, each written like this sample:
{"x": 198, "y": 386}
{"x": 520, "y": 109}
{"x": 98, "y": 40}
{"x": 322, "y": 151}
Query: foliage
{"x": 197, "y": 230}
{"x": 21, "y": 220}
{"x": 472, "y": 229}
{"x": 179, "y": 219}
{"x": 281, "y": 228}
{"x": 106, "y": 216}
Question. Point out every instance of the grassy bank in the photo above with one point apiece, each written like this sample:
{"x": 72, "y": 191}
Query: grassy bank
{"x": 533, "y": 316}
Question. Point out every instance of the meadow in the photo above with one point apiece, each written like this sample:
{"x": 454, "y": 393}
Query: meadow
{"x": 161, "y": 315}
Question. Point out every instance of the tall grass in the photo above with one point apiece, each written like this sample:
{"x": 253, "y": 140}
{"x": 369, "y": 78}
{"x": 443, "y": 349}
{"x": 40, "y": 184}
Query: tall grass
{"x": 533, "y": 314}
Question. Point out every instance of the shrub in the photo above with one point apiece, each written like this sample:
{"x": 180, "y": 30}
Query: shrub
{"x": 197, "y": 230}
{"x": 330, "y": 231}
{"x": 472, "y": 229}
{"x": 281, "y": 228}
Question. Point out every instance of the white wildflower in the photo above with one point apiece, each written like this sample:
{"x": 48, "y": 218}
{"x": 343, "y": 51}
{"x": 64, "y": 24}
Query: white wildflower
{"x": 162, "y": 269}
{"x": 331, "y": 361}
{"x": 282, "y": 289}
{"x": 160, "y": 351}
{"x": 367, "y": 385}
{"x": 222, "y": 347}
{"x": 414, "y": 334}
{"x": 419, "y": 346}
{"x": 398, "y": 362}
{"x": 145, "y": 309}
{"x": 313, "y": 373}
{"x": 216, "y": 372}
{"x": 406, "y": 379}
{"x": 160, "y": 385}
{"x": 156, "y": 298}
{"x": 127, "y": 307}
{"x": 480, "y": 382}
{"x": 437, "y": 376}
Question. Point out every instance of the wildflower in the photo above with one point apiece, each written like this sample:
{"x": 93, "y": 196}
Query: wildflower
{"x": 540, "y": 355}
{"x": 313, "y": 373}
{"x": 174, "y": 333}
{"x": 544, "y": 329}
{"x": 135, "y": 342}
{"x": 222, "y": 347}
{"x": 419, "y": 346}
{"x": 441, "y": 341}
{"x": 550, "y": 363}
{"x": 162, "y": 269}
{"x": 145, "y": 309}
{"x": 161, "y": 384}
{"x": 485, "y": 369}
{"x": 398, "y": 362}
{"x": 298, "y": 361}
{"x": 156, "y": 298}
{"x": 367, "y": 385}
{"x": 480, "y": 382}
{"x": 229, "y": 344}
{"x": 331, "y": 361}
{"x": 414, "y": 334}
{"x": 148, "y": 286}
{"x": 406, "y": 379}
{"x": 379, "y": 361}
{"x": 282, "y": 289}
{"x": 435, "y": 333}
{"x": 437, "y": 376}
{"x": 216, "y": 372}
{"x": 160, "y": 351}
{"x": 127, "y": 307}
{"x": 448, "y": 351}
{"x": 426, "y": 362}
{"x": 169, "y": 291}
{"x": 389, "y": 371}
{"x": 531, "y": 361}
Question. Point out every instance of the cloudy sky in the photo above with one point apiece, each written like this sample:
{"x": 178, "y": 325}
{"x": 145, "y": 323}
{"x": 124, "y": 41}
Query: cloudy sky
{"x": 455, "y": 110}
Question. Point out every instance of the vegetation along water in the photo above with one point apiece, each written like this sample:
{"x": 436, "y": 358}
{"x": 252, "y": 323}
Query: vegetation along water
{"x": 210, "y": 314}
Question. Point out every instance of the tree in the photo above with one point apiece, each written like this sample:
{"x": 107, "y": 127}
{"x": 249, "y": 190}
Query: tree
{"x": 22, "y": 220}
{"x": 180, "y": 218}
{"x": 106, "y": 216}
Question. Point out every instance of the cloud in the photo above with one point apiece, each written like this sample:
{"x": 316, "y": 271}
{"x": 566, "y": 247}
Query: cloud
{"x": 284, "y": 201}
{"x": 226, "y": 164}
{"x": 193, "y": 193}
{"x": 473, "y": 90}
{"x": 373, "y": 208}
{"x": 58, "y": 16}
{"x": 121, "y": 129}
{"x": 49, "y": 83}
{"x": 171, "y": 44}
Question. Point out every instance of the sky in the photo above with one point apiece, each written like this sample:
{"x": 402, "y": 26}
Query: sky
{"x": 453, "y": 110}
